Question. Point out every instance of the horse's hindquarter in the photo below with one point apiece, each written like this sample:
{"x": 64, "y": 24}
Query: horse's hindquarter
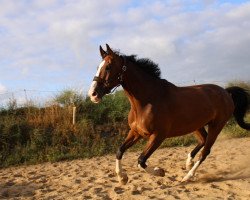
{"x": 187, "y": 109}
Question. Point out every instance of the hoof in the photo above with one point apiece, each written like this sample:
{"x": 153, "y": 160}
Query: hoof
{"x": 155, "y": 171}
{"x": 186, "y": 178}
{"x": 159, "y": 172}
{"x": 123, "y": 179}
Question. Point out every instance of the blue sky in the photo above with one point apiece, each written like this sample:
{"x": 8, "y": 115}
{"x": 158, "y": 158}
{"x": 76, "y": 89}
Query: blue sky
{"x": 49, "y": 45}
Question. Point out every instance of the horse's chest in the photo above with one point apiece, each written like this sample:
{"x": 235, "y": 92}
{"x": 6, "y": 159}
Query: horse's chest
{"x": 144, "y": 126}
{"x": 142, "y": 120}
{"x": 143, "y": 131}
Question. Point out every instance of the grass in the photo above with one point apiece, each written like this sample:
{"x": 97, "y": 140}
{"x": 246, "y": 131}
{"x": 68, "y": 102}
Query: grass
{"x": 233, "y": 130}
{"x": 30, "y": 134}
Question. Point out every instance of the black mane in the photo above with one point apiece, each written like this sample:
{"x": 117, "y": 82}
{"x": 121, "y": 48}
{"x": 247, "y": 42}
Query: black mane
{"x": 145, "y": 64}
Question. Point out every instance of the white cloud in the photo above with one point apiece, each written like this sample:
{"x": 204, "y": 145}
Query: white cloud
{"x": 50, "y": 44}
{"x": 205, "y": 45}
{"x": 2, "y": 88}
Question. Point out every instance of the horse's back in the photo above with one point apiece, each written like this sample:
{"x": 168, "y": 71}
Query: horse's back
{"x": 192, "y": 107}
{"x": 213, "y": 95}
{"x": 203, "y": 98}
{"x": 217, "y": 99}
{"x": 216, "y": 94}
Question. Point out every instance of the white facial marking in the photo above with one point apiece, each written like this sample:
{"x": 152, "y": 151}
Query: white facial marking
{"x": 94, "y": 84}
{"x": 100, "y": 67}
{"x": 92, "y": 88}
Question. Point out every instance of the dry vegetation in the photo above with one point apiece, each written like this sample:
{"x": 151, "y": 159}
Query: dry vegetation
{"x": 30, "y": 134}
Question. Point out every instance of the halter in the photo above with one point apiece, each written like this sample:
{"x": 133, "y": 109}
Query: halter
{"x": 107, "y": 83}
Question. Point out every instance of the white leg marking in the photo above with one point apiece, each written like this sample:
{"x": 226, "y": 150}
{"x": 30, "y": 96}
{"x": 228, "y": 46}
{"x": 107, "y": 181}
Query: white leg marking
{"x": 140, "y": 167}
{"x": 189, "y": 162}
{"x": 121, "y": 175}
{"x": 191, "y": 172}
{"x": 118, "y": 166}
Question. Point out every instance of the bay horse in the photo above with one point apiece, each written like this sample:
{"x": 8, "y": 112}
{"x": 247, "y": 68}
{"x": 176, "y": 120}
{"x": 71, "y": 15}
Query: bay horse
{"x": 160, "y": 109}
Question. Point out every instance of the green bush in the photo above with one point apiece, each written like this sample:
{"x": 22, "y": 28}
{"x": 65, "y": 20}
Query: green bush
{"x": 242, "y": 84}
{"x": 31, "y": 134}
{"x": 113, "y": 108}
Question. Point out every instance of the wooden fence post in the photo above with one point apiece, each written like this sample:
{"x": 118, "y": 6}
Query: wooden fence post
{"x": 74, "y": 115}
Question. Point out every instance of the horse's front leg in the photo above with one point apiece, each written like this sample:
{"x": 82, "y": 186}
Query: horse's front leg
{"x": 131, "y": 139}
{"x": 153, "y": 143}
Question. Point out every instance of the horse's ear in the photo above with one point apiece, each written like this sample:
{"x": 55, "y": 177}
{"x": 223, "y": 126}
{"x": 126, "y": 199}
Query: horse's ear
{"x": 102, "y": 52}
{"x": 109, "y": 50}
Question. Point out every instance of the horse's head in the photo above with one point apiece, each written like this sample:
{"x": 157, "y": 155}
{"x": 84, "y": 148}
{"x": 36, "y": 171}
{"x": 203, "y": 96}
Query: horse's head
{"x": 108, "y": 76}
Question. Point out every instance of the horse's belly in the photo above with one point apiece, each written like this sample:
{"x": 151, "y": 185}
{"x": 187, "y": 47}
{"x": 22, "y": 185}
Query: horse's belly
{"x": 187, "y": 126}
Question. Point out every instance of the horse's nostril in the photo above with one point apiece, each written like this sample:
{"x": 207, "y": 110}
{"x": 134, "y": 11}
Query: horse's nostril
{"x": 94, "y": 93}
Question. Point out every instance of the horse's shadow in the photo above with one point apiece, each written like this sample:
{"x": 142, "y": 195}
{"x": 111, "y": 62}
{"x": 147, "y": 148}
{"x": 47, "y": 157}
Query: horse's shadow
{"x": 11, "y": 190}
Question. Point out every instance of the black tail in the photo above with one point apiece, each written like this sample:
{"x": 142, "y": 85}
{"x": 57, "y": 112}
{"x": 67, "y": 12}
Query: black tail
{"x": 240, "y": 98}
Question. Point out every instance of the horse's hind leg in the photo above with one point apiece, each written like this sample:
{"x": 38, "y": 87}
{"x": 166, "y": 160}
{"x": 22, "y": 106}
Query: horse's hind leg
{"x": 213, "y": 131}
{"x": 201, "y": 135}
{"x": 131, "y": 139}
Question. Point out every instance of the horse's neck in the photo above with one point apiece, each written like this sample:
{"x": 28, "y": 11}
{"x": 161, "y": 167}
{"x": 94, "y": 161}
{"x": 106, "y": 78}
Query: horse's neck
{"x": 138, "y": 86}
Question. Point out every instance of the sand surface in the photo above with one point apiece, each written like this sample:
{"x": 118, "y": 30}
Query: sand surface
{"x": 224, "y": 175}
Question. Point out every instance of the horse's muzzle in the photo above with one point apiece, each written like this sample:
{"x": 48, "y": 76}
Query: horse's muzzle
{"x": 97, "y": 93}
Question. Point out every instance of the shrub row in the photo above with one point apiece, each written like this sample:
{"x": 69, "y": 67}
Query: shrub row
{"x": 30, "y": 134}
